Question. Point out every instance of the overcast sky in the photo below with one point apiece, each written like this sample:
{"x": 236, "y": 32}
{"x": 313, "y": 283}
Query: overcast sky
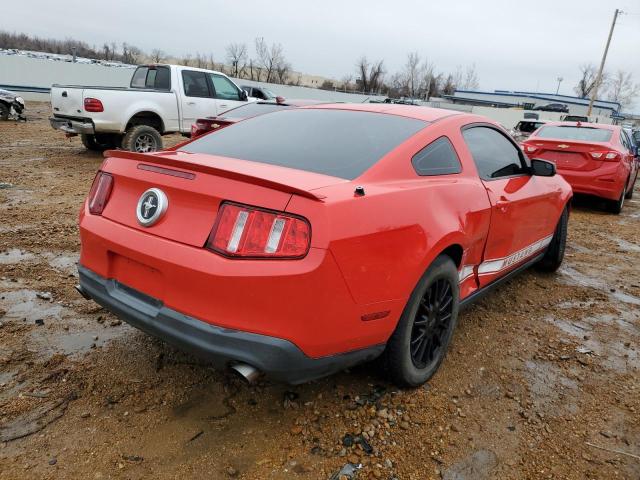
{"x": 515, "y": 45}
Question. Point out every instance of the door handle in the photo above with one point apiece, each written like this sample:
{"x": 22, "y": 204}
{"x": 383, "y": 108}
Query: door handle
{"x": 502, "y": 204}
{"x": 191, "y": 103}
{"x": 223, "y": 105}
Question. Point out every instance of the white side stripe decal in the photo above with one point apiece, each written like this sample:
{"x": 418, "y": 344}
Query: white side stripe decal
{"x": 499, "y": 264}
{"x": 493, "y": 266}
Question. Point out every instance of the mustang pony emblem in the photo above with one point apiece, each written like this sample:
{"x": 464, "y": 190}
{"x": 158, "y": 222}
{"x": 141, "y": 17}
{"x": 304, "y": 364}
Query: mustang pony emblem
{"x": 147, "y": 206}
{"x": 151, "y": 206}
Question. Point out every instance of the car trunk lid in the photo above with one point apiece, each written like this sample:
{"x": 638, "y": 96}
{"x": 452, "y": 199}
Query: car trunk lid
{"x": 195, "y": 185}
{"x": 567, "y": 154}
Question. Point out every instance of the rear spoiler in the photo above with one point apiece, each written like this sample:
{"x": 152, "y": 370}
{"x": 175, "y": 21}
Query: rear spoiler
{"x": 164, "y": 158}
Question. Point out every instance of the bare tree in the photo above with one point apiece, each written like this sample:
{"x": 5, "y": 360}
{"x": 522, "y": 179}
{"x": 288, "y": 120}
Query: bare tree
{"x": 449, "y": 84}
{"x": 185, "y": 60}
{"x": 411, "y": 74}
{"x": 428, "y": 84}
{"x": 269, "y": 58}
{"x": 157, "y": 55}
{"x": 587, "y": 82}
{"x": 283, "y": 69}
{"x": 362, "y": 68}
{"x": 237, "y": 58}
{"x": 622, "y": 89}
{"x": 470, "y": 80}
{"x": 130, "y": 54}
{"x": 346, "y": 81}
{"x": 370, "y": 75}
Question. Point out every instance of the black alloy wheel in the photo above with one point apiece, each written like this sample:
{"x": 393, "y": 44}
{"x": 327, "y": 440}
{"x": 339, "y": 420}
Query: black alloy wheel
{"x": 432, "y": 324}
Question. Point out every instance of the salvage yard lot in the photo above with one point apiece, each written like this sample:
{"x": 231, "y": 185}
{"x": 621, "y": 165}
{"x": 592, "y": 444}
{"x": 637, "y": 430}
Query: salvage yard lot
{"x": 542, "y": 379}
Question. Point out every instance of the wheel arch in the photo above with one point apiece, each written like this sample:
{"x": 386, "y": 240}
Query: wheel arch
{"x": 146, "y": 117}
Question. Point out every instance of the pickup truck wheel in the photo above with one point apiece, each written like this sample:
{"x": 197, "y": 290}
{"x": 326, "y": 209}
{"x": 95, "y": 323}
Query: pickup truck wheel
{"x": 97, "y": 143}
{"x": 419, "y": 343}
{"x": 4, "y": 111}
{"x": 143, "y": 139}
{"x": 555, "y": 251}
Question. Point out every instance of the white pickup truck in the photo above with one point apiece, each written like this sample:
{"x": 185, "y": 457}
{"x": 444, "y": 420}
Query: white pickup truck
{"x": 161, "y": 99}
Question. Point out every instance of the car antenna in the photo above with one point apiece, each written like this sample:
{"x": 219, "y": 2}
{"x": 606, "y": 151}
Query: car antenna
{"x": 359, "y": 191}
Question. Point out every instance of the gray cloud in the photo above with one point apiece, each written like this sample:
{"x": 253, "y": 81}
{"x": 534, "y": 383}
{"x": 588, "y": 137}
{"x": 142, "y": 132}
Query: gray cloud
{"x": 514, "y": 45}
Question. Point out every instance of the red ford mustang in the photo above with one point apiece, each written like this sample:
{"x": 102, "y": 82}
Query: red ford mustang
{"x": 595, "y": 159}
{"x": 337, "y": 234}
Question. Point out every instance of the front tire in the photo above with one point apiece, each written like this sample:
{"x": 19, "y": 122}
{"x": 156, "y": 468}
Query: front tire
{"x": 419, "y": 343}
{"x": 142, "y": 139}
{"x": 555, "y": 251}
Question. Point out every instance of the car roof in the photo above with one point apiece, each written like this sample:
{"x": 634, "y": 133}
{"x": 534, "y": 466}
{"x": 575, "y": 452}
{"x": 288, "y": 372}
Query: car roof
{"x": 295, "y": 102}
{"x": 428, "y": 114}
{"x": 603, "y": 126}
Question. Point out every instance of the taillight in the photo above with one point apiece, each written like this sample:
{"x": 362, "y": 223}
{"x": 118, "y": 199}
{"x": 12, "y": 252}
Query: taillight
{"x": 100, "y": 192}
{"x": 244, "y": 231}
{"x": 608, "y": 156}
{"x": 93, "y": 105}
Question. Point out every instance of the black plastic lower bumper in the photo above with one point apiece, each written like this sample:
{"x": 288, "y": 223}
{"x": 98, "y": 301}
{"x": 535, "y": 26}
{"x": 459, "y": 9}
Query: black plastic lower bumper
{"x": 278, "y": 358}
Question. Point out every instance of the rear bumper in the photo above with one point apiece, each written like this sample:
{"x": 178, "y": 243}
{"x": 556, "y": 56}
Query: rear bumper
{"x": 278, "y": 358}
{"x": 68, "y": 125}
{"x": 603, "y": 182}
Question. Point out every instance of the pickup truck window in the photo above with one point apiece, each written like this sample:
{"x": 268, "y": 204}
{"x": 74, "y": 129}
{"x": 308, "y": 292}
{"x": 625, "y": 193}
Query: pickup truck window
{"x": 224, "y": 88}
{"x": 195, "y": 84}
{"x": 493, "y": 154}
{"x": 157, "y": 78}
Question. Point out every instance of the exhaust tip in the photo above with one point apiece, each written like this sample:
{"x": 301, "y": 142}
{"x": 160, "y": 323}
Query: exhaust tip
{"x": 81, "y": 291}
{"x": 249, "y": 373}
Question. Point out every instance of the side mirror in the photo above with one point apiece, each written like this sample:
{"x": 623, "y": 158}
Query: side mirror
{"x": 243, "y": 95}
{"x": 542, "y": 168}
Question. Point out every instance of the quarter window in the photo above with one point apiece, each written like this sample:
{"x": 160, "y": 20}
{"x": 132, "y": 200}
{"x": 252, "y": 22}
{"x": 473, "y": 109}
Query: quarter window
{"x": 195, "y": 84}
{"x": 494, "y": 155}
{"x": 437, "y": 158}
{"x": 224, "y": 88}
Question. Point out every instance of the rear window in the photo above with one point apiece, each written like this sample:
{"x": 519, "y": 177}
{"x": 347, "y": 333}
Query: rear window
{"x": 339, "y": 143}
{"x": 252, "y": 109}
{"x": 587, "y": 134}
{"x": 157, "y": 78}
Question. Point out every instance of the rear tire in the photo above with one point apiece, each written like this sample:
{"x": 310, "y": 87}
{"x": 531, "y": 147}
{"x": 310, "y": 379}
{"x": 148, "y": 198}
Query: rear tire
{"x": 419, "y": 343}
{"x": 4, "y": 112}
{"x": 629, "y": 195}
{"x": 555, "y": 251}
{"x": 142, "y": 139}
{"x": 98, "y": 143}
{"x": 615, "y": 206}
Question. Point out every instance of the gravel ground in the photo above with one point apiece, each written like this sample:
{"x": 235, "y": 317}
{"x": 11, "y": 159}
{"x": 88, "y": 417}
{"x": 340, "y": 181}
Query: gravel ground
{"x": 541, "y": 380}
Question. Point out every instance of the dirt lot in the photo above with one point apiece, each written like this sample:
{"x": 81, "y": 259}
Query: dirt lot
{"x": 542, "y": 380}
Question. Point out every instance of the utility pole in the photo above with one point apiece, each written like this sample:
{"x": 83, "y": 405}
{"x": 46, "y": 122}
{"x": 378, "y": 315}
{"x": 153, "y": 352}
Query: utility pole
{"x": 559, "y": 79}
{"x": 594, "y": 93}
